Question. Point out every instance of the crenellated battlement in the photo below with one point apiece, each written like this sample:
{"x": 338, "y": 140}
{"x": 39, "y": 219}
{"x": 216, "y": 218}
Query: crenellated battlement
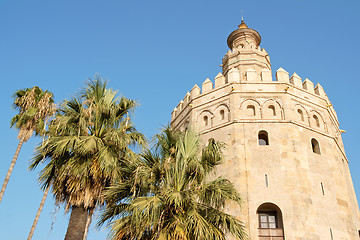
{"x": 293, "y": 84}
{"x": 247, "y": 79}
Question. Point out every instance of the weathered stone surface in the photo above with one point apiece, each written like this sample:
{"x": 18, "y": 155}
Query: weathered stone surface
{"x": 219, "y": 80}
{"x": 282, "y": 75}
{"x": 296, "y": 80}
{"x": 314, "y": 192}
{"x": 207, "y": 86}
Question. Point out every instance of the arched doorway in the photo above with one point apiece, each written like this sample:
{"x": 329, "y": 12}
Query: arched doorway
{"x": 270, "y": 222}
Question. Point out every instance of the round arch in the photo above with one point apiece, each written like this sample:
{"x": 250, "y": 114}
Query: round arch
{"x": 222, "y": 113}
{"x": 250, "y": 109}
{"x": 205, "y": 119}
{"x": 317, "y": 120}
{"x": 272, "y": 109}
{"x": 270, "y": 221}
{"x": 302, "y": 114}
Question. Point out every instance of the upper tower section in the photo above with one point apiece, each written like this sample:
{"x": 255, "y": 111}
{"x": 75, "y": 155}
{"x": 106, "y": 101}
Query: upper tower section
{"x": 245, "y": 52}
{"x": 244, "y": 37}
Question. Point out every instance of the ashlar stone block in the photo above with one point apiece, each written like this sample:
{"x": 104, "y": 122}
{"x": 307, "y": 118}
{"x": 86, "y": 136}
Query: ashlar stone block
{"x": 282, "y": 75}
{"x": 219, "y": 80}
{"x": 308, "y": 85}
{"x": 266, "y": 75}
{"x": 233, "y": 76}
{"x": 207, "y": 86}
{"x": 296, "y": 80}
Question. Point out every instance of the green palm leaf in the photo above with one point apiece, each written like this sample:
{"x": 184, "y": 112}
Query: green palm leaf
{"x": 91, "y": 141}
{"x": 168, "y": 196}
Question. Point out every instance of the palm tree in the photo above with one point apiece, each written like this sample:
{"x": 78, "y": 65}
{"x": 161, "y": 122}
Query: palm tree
{"x": 37, "y": 216}
{"x": 90, "y": 138}
{"x": 170, "y": 196}
{"x": 35, "y": 107}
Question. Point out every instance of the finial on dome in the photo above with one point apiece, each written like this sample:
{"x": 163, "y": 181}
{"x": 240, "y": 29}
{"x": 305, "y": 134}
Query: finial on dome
{"x": 243, "y": 35}
{"x": 242, "y": 24}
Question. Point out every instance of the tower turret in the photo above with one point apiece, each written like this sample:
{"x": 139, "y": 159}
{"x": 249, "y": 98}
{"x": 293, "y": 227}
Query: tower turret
{"x": 244, "y": 36}
{"x": 284, "y": 151}
{"x": 245, "y": 52}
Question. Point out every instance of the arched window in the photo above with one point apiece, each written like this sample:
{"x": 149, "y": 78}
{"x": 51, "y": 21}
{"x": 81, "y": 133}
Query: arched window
{"x": 206, "y": 121}
{"x": 272, "y": 110}
{"x": 315, "y": 146}
{"x": 301, "y": 115}
{"x": 270, "y": 221}
{"x": 317, "y": 122}
{"x": 250, "y": 110}
{"x": 263, "y": 138}
{"x": 222, "y": 114}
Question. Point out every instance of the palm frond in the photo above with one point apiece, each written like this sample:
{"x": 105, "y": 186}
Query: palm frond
{"x": 90, "y": 145}
{"x": 169, "y": 196}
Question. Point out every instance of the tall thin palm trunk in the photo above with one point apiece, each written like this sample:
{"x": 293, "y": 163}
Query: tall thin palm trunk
{"x": 7, "y": 178}
{"x": 38, "y": 213}
{"x": 77, "y": 223}
{"x": 88, "y": 222}
{"x": 32, "y": 230}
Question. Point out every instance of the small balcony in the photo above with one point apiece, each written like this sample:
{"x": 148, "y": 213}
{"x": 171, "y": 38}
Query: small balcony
{"x": 271, "y": 234}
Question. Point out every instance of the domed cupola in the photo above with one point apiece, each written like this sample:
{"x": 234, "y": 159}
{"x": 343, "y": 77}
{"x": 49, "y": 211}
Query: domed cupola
{"x": 245, "y": 54}
{"x": 243, "y": 37}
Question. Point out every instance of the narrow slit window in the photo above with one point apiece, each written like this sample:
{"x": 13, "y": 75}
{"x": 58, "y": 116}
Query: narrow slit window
{"x": 315, "y": 146}
{"x": 266, "y": 181}
{"x": 301, "y": 115}
{"x": 206, "y": 121}
{"x": 322, "y": 188}
{"x": 272, "y": 110}
{"x": 331, "y": 234}
{"x": 317, "y": 122}
{"x": 250, "y": 110}
{"x": 263, "y": 138}
{"x": 222, "y": 114}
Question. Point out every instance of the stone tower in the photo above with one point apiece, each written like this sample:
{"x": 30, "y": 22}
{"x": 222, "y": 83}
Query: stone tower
{"x": 284, "y": 149}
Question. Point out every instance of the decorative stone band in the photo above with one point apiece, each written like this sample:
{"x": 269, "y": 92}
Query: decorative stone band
{"x": 249, "y": 59}
{"x": 233, "y": 76}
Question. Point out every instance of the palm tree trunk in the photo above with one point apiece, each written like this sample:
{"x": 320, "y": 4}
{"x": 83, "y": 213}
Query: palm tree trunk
{"x": 38, "y": 213}
{"x": 77, "y": 223}
{"x": 88, "y": 222}
{"x": 7, "y": 178}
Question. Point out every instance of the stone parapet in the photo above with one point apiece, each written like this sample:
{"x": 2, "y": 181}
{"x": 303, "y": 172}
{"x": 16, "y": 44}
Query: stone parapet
{"x": 252, "y": 84}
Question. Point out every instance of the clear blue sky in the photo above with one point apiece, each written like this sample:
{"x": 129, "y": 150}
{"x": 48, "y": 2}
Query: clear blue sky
{"x": 154, "y": 52}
